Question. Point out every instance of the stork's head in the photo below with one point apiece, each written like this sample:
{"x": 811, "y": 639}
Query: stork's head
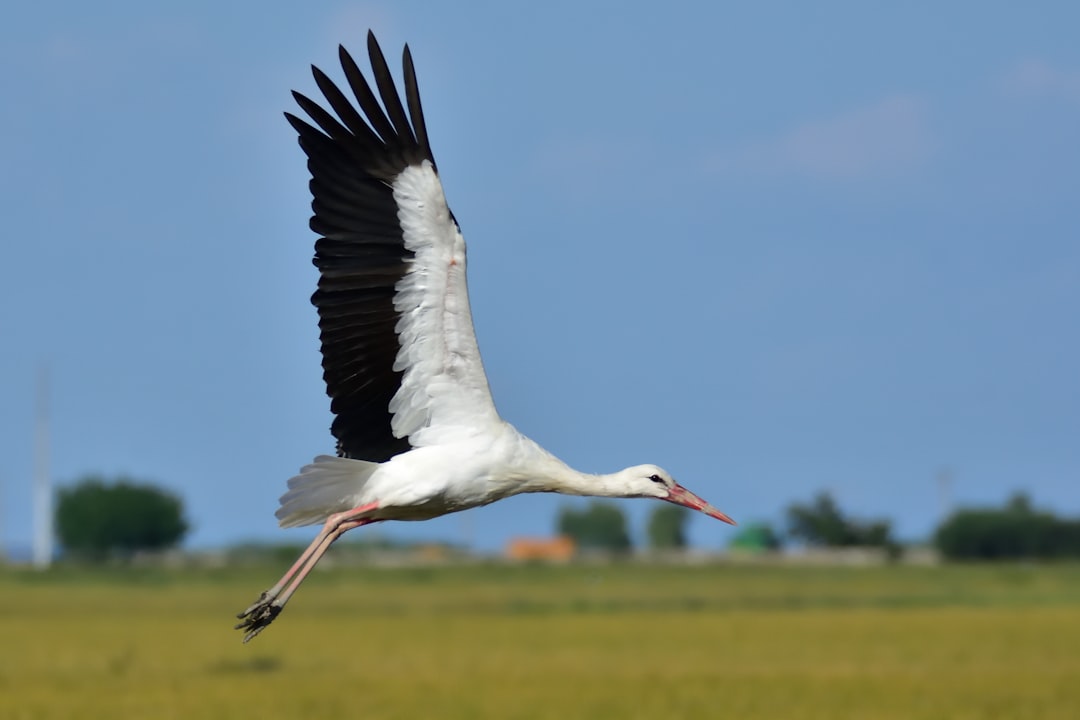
{"x": 654, "y": 482}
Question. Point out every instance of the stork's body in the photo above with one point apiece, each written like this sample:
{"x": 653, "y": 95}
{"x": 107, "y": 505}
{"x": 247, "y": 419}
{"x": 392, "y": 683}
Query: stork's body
{"x": 418, "y": 434}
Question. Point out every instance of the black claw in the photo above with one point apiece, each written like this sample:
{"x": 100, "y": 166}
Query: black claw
{"x": 257, "y": 617}
{"x": 255, "y": 605}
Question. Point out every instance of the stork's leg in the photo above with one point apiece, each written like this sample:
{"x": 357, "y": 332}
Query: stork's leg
{"x": 263, "y": 611}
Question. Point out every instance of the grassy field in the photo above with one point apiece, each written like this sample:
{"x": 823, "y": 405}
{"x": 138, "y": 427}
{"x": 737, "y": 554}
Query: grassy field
{"x": 535, "y": 642}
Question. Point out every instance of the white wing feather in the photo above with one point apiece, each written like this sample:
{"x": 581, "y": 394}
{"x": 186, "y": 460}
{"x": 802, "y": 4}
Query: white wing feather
{"x": 444, "y": 384}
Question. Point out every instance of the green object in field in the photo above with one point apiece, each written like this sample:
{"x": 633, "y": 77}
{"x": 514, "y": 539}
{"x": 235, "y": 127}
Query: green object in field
{"x": 755, "y": 538}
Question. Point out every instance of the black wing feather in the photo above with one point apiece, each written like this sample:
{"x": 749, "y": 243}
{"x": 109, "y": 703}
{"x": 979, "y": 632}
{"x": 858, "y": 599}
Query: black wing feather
{"x": 353, "y": 159}
{"x": 368, "y": 102}
{"x": 416, "y": 111}
{"x": 391, "y": 101}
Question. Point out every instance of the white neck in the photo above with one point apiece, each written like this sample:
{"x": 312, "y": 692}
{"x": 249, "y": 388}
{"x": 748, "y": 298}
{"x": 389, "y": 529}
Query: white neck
{"x": 547, "y": 473}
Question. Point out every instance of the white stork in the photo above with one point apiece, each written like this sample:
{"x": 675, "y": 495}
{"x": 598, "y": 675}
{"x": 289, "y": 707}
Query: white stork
{"x": 417, "y": 432}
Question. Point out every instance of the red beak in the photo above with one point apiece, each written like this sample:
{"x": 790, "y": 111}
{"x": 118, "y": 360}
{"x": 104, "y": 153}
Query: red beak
{"x": 681, "y": 496}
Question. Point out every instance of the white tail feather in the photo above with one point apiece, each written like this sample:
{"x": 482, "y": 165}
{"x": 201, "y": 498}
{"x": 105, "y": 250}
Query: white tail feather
{"x": 326, "y": 486}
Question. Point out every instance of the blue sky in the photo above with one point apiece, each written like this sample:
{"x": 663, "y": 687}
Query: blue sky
{"x": 774, "y": 248}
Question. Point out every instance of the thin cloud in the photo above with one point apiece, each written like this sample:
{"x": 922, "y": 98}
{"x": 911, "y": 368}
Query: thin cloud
{"x": 1037, "y": 78}
{"x": 889, "y": 138}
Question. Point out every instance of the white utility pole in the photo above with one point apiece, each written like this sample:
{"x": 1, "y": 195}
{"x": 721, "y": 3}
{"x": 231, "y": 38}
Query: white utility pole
{"x": 43, "y": 500}
{"x": 944, "y": 483}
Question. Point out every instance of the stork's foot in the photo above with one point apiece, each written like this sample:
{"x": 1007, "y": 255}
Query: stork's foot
{"x": 261, "y": 613}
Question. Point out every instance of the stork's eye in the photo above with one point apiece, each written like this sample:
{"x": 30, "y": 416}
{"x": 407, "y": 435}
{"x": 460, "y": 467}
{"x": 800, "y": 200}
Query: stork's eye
{"x": 656, "y": 479}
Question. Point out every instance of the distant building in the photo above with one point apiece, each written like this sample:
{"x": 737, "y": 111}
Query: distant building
{"x": 557, "y": 549}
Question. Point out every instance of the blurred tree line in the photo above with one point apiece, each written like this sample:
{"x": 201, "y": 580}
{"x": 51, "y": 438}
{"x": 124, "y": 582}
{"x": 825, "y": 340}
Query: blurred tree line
{"x": 1015, "y": 531}
{"x": 97, "y": 519}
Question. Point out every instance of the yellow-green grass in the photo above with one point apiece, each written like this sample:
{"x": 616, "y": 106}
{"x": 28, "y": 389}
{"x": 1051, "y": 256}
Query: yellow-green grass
{"x": 531, "y": 642}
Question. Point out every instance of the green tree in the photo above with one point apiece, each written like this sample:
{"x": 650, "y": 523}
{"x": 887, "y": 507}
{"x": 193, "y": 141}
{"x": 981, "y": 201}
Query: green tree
{"x": 1015, "y": 531}
{"x": 821, "y": 523}
{"x": 599, "y": 526}
{"x": 96, "y": 519}
{"x": 818, "y": 523}
{"x": 667, "y": 527}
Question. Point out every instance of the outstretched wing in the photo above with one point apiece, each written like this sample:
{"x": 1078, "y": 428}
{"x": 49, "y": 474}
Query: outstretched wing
{"x": 400, "y": 358}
